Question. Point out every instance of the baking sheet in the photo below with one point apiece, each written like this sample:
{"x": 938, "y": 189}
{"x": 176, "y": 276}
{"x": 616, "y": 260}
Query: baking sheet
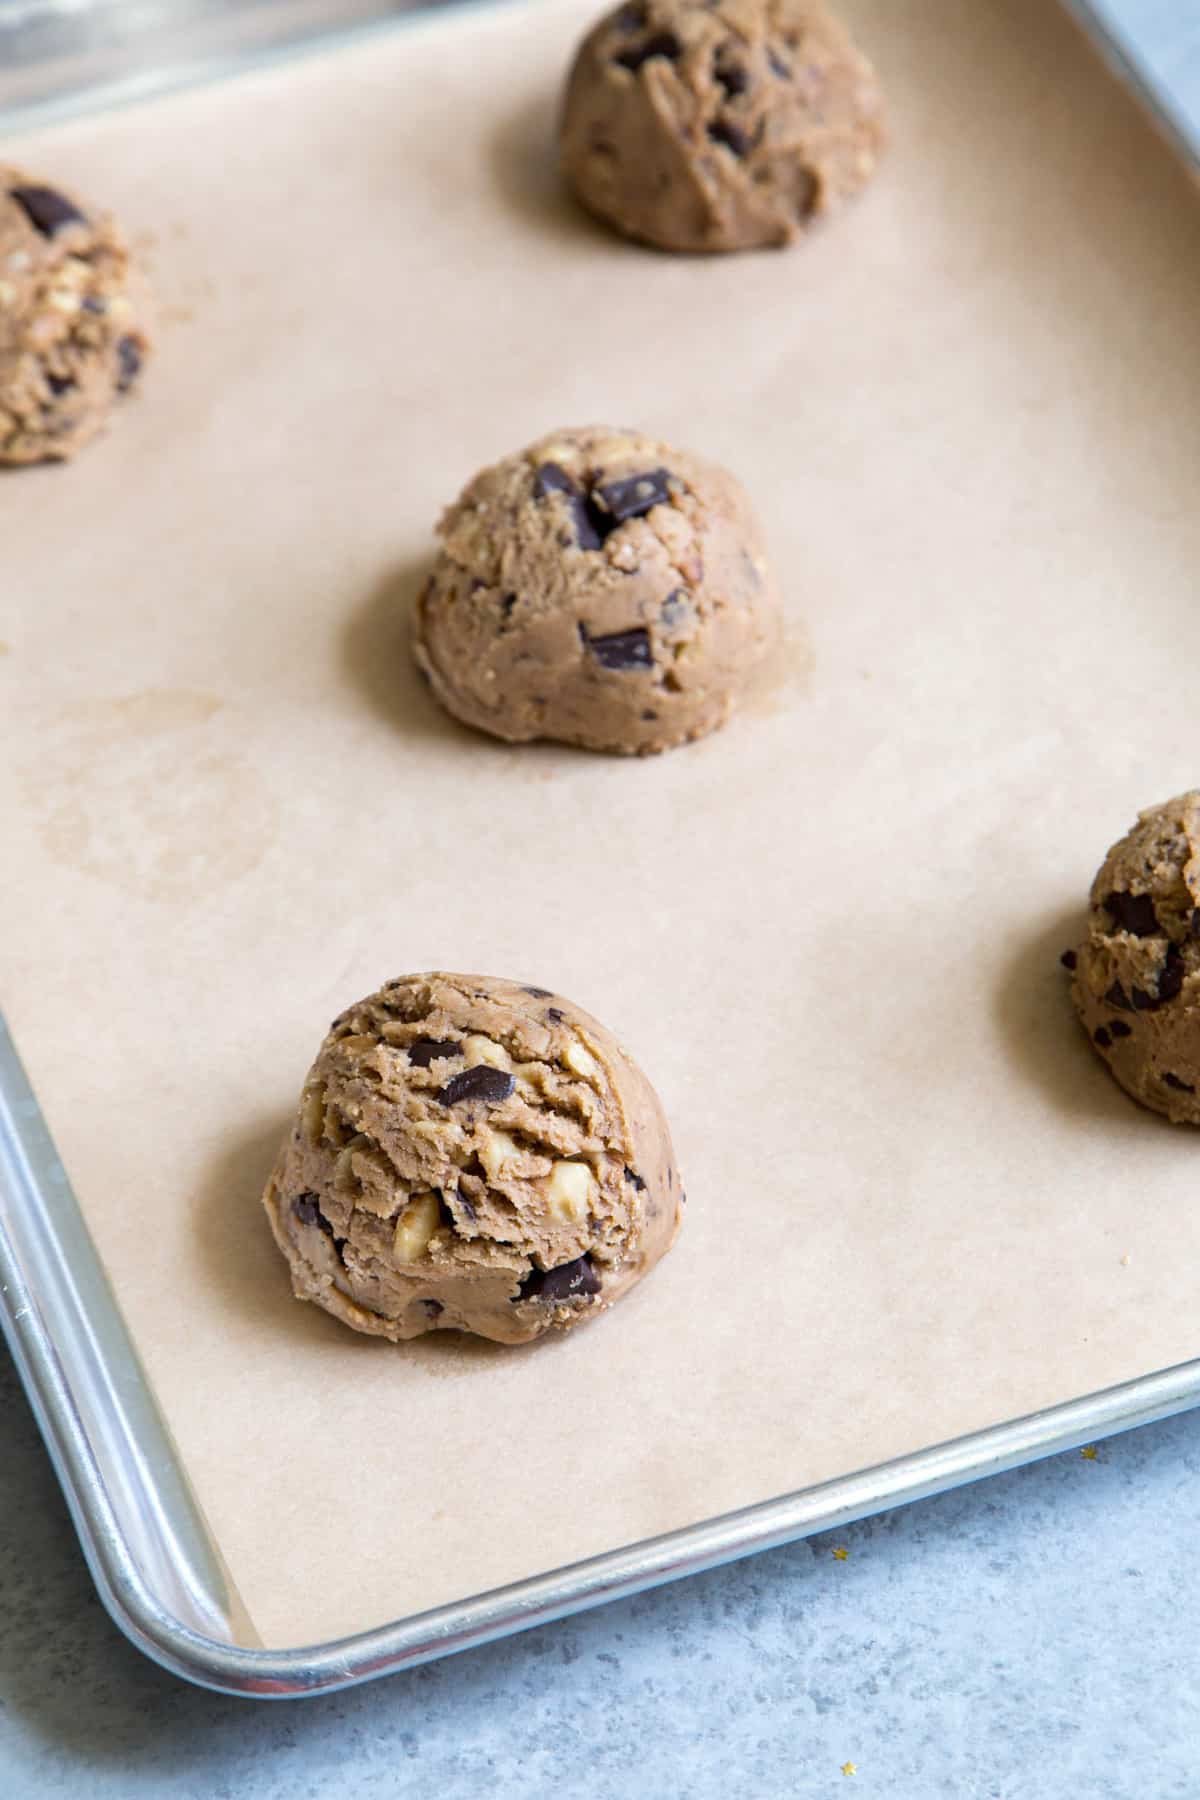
{"x": 967, "y": 414}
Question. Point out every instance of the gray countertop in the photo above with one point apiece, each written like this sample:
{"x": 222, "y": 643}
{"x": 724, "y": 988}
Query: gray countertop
{"x": 1030, "y": 1637}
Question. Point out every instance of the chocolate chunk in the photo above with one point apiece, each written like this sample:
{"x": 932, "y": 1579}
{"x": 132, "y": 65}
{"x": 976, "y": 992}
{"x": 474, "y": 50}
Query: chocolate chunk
{"x": 553, "y": 1012}
{"x": 1068, "y": 959}
{"x": 1181, "y": 1087}
{"x": 663, "y": 43}
{"x": 570, "y": 1281}
{"x": 434, "y": 1308}
{"x": 1101, "y": 1037}
{"x": 59, "y": 384}
{"x": 47, "y": 210}
{"x": 538, "y": 993}
{"x": 94, "y": 303}
{"x": 1119, "y": 1029}
{"x": 724, "y": 131}
{"x": 307, "y": 1209}
{"x": 552, "y": 478}
{"x": 423, "y": 1051}
{"x": 507, "y": 602}
{"x": 631, "y": 1175}
{"x": 1170, "y": 982}
{"x": 1116, "y": 996}
{"x": 1132, "y": 912}
{"x": 778, "y": 66}
{"x": 622, "y": 650}
{"x": 468, "y": 1208}
{"x": 631, "y": 498}
{"x": 649, "y": 717}
{"x": 1142, "y": 1001}
{"x": 129, "y": 363}
{"x": 480, "y": 1082}
{"x": 732, "y": 77}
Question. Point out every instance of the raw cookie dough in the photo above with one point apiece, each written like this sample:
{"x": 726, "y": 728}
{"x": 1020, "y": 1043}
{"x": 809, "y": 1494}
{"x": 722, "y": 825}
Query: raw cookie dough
{"x": 1137, "y": 972}
{"x": 598, "y": 588}
{"x": 719, "y": 127}
{"x": 472, "y": 1155}
{"x": 71, "y": 339}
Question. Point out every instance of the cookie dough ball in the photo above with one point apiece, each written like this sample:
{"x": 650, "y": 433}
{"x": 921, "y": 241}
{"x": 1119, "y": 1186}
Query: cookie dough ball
{"x": 725, "y": 126}
{"x": 71, "y": 339}
{"x": 1137, "y": 971}
{"x": 598, "y": 588}
{"x": 476, "y": 1156}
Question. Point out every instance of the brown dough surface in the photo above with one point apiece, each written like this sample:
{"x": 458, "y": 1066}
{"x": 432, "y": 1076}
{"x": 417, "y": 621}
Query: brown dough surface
{"x": 72, "y": 334}
{"x": 598, "y": 588}
{"x": 719, "y": 127}
{"x": 1137, "y": 971}
{"x": 472, "y": 1155}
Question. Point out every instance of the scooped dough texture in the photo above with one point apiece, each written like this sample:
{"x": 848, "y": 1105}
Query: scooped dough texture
{"x": 1137, "y": 971}
{"x": 599, "y": 588}
{"x": 71, "y": 338}
{"x": 719, "y": 127}
{"x": 470, "y": 1154}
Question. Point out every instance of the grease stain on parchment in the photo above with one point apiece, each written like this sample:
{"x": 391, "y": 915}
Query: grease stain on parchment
{"x": 143, "y": 792}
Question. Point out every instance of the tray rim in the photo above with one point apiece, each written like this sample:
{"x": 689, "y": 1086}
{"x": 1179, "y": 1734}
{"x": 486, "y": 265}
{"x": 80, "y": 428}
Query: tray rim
{"x": 146, "y": 1543}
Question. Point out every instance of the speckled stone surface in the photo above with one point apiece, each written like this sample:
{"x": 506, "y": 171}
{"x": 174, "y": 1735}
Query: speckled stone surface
{"x": 1029, "y": 1638}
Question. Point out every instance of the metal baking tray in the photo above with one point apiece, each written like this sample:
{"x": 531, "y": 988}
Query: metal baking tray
{"x": 145, "y": 1540}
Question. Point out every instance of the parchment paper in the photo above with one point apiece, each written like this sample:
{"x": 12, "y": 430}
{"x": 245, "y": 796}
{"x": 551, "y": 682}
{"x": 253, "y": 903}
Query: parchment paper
{"x": 968, "y": 413}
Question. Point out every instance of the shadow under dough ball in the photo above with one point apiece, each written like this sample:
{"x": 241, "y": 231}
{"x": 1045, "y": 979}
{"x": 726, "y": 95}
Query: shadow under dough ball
{"x": 72, "y": 331}
{"x": 728, "y": 126}
{"x": 472, "y": 1155}
{"x": 600, "y": 589}
{"x": 1137, "y": 972}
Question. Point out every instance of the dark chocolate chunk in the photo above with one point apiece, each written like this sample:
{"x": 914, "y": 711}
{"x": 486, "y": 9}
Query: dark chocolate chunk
{"x": 555, "y": 1013}
{"x": 538, "y": 993}
{"x": 434, "y": 1308}
{"x": 732, "y": 77}
{"x": 94, "y": 303}
{"x": 1132, "y": 912}
{"x": 663, "y": 43}
{"x": 724, "y": 131}
{"x": 307, "y": 1209}
{"x": 1142, "y": 1001}
{"x": 47, "y": 210}
{"x": 1118, "y": 1028}
{"x": 1068, "y": 959}
{"x": 631, "y": 1175}
{"x": 622, "y": 650}
{"x": 1101, "y": 1037}
{"x": 552, "y": 478}
{"x": 649, "y": 717}
{"x": 1116, "y": 996}
{"x": 467, "y": 1206}
{"x": 423, "y": 1051}
{"x": 631, "y": 498}
{"x": 129, "y": 363}
{"x": 481, "y": 1082}
{"x": 1170, "y": 982}
{"x": 1181, "y": 1087}
{"x": 59, "y": 384}
{"x": 570, "y": 1281}
{"x": 507, "y": 602}
{"x": 778, "y": 66}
